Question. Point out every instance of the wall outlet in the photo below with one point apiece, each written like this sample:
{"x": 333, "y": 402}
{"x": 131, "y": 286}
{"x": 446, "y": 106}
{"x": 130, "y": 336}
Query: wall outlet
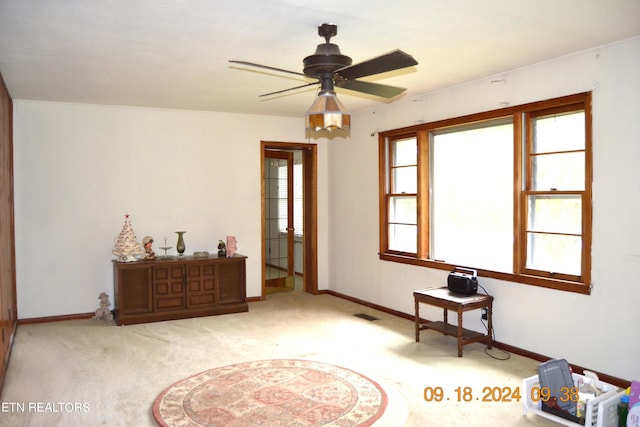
{"x": 484, "y": 314}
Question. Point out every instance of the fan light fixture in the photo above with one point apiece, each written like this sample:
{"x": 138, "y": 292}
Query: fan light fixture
{"x": 327, "y": 113}
{"x": 329, "y": 67}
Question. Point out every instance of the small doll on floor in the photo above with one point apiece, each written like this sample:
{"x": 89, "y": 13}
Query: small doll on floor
{"x": 103, "y": 312}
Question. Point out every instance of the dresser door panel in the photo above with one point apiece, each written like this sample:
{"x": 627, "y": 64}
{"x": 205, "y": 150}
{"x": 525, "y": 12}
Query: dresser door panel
{"x": 169, "y": 287}
{"x": 201, "y": 285}
{"x": 136, "y": 294}
{"x": 231, "y": 282}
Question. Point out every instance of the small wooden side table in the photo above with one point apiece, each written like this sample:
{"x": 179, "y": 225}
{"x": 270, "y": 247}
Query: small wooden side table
{"x": 442, "y": 297}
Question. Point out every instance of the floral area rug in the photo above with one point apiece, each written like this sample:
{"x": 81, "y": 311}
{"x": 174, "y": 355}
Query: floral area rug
{"x": 272, "y": 393}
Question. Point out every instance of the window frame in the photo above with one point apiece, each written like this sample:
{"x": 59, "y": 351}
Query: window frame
{"x": 522, "y": 116}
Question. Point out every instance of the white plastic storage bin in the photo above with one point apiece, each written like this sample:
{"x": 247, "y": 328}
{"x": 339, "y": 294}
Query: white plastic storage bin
{"x": 600, "y": 411}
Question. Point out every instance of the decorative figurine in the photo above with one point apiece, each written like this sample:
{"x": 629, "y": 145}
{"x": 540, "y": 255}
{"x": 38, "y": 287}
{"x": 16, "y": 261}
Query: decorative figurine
{"x": 222, "y": 249}
{"x": 232, "y": 246}
{"x": 125, "y": 246}
{"x": 103, "y": 312}
{"x": 147, "y": 242}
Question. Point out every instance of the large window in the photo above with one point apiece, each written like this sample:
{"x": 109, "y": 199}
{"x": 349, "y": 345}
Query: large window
{"x": 507, "y": 192}
{"x": 472, "y": 195}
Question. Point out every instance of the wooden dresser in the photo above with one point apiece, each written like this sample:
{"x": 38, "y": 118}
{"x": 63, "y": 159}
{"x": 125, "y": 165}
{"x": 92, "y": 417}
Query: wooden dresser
{"x": 167, "y": 289}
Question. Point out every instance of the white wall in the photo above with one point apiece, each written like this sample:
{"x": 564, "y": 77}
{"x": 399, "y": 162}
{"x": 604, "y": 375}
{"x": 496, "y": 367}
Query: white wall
{"x": 80, "y": 168}
{"x": 598, "y": 331}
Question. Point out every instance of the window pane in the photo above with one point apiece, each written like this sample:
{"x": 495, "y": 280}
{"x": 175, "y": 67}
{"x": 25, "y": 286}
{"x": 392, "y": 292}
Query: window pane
{"x": 405, "y": 180}
{"x": 403, "y": 209}
{"x": 554, "y": 253}
{"x": 298, "y": 199}
{"x": 405, "y": 152}
{"x": 283, "y": 189}
{"x": 561, "y": 132}
{"x": 555, "y": 214}
{"x": 472, "y": 203}
{"x": 563, "y": 171}
{"x": 403, "y": 238}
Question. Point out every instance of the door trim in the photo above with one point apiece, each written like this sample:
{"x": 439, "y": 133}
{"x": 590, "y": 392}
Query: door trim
{"x": 310, "y": 208}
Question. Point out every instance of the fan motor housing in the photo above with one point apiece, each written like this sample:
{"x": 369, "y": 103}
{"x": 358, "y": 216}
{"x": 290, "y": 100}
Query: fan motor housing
{"x": 326, "y": 59}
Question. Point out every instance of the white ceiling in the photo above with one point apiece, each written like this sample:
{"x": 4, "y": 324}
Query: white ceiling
{"x": 174, "y": 53}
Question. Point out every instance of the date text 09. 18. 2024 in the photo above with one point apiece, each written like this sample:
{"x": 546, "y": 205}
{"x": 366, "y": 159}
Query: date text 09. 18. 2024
{"x": 499, "y": 394}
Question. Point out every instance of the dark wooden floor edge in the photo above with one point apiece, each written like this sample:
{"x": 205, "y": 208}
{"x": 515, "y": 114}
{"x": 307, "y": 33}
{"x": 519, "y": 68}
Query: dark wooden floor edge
{"x": 368, "y": 304}
{"x": 618, "y": 382}
{"x": 55, "y": 318}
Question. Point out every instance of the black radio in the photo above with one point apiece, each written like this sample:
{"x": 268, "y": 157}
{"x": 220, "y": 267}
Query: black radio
{"x": 463, "y": 281}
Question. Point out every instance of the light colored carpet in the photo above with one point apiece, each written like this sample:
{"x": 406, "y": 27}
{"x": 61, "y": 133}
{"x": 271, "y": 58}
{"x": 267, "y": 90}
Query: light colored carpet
{"x": 92, "y": 373}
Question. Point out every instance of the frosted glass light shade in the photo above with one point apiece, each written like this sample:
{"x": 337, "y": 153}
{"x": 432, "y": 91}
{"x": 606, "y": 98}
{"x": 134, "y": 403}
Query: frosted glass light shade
{"x": 327, "y": 113}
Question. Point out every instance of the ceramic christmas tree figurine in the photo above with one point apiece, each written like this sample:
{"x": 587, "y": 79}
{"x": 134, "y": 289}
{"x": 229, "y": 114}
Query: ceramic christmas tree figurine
{"x": 125, "y": 246}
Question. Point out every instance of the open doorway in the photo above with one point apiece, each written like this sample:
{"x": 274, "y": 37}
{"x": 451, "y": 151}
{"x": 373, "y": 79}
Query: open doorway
{"x": 289, "y": 223}
{"x": 283, "y": 229}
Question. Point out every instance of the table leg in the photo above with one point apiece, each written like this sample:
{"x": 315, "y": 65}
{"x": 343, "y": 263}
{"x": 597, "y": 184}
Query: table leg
{"x": 417, "y": 320}
{"x": 460, "y": 332}
{"x": 445, "y": 316}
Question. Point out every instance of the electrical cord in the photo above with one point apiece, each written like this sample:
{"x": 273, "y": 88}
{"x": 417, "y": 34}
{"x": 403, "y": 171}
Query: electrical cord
{"x": 493, "y": 336}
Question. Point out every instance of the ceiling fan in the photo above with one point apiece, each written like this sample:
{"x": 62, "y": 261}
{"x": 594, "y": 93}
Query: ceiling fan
{"x": 329, "y": 67}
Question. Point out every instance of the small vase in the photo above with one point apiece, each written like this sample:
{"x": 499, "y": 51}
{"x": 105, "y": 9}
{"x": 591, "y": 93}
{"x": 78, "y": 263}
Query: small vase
{"x": 180, "y": 245}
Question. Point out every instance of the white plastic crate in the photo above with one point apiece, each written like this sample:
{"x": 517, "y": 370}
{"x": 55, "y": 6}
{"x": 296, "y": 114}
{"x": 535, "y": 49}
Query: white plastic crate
{"x": 599, "y": 412}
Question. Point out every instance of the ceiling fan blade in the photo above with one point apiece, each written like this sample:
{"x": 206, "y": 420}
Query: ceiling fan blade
{"x": 377, "y": 89}
{"x": 394, "y": 60}
{"x": 291, "y": 88}
{"x": 251, "y": 64}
